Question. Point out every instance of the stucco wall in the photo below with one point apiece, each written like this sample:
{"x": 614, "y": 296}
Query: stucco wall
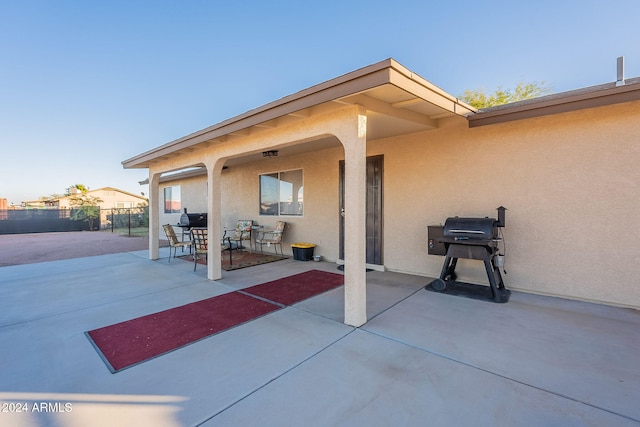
{"x": 319, "y": 224}
{"x": 241, "y": 195}
{"x": 569, "y": 182}
{"x": 193, "y": 192}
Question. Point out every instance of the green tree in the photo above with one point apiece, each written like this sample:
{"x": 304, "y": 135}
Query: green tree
{"x": 80, "y": 187}
{"x": 87, "y": 206}
{"x": 479, "y": 98}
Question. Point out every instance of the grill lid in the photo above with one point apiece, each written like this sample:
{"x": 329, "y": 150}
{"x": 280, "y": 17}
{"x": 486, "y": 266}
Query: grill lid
{"x": 193, "y": 220}
{"x": 471, "y": 228}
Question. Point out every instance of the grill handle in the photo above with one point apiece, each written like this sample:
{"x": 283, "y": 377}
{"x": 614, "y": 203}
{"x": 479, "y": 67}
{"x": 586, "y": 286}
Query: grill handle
{"x": 466, "y": 231}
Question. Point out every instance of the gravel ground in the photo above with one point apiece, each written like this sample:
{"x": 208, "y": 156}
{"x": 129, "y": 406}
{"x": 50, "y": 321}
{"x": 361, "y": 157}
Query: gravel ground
{"x": 40, "y": 247}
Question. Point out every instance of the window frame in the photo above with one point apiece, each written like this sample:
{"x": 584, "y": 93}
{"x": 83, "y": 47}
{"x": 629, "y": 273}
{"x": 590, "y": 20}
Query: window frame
{"x": 124, "y": 205}
{"x": 278, "y": 187}
{"x": 168, "y": 202}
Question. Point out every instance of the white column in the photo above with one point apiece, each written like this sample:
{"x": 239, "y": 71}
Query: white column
{"x": 154, "y": 215}
{"x": 214, "y": 201}
{"x": 355, "y": 252}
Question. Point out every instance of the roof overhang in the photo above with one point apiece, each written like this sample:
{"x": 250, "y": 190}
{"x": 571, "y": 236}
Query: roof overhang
{"x": 590, "y": 97}
{"x": 397, "y": 101}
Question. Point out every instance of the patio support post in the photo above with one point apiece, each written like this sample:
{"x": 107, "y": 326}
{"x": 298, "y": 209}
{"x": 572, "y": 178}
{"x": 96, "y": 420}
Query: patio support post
{"x": 214, "y": 201}
{"x": 154, "y": 215}
{"x": 355, "y": 254}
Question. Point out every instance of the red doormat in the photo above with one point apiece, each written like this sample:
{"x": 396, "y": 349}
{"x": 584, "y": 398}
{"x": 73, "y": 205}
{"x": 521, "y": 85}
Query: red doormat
{"x": 292, "y": 289}
{"x": 129, "y": 343}
{"x": 135, "y": 341}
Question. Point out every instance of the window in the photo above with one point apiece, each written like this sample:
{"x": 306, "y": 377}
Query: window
{"x": 172, "y": 199}
{"x": 282, "y": 193}
{"x": 124, "y": 205}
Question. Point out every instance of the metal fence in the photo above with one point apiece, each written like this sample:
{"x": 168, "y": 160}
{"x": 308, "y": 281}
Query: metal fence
{"x": 130, "y": 221}
{"x": 40, "y": 221}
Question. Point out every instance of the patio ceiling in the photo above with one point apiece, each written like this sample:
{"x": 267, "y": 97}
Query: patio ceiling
{"x": 397, "y": 102}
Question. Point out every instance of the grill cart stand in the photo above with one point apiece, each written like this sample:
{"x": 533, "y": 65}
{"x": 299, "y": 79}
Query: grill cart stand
{"x": 484, "y": 250}
{"x": 469, "y": 238}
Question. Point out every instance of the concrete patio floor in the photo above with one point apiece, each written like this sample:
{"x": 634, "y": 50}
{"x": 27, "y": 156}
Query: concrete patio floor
{"x": 422, "y": 359}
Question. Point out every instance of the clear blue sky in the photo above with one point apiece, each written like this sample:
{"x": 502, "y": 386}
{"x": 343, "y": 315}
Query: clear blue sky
{"x": 85, "y": 85}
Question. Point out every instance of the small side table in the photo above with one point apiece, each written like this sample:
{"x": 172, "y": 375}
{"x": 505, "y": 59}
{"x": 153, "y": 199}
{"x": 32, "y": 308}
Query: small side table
{"x": 255, "y": 229}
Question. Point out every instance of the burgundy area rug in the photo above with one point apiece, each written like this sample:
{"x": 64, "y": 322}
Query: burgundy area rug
{"x": 292, "y": 289}
{"x": 241, "y": 259}
{"x": 135, "y": 341}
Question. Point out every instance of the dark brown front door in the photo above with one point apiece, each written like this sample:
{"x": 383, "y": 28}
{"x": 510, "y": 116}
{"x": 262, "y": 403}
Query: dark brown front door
{"x": 374, "y": 210}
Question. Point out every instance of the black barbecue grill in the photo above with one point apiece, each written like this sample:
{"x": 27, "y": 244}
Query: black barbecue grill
{"x": 191, "y": 220}
{"x": 470, "y": 238}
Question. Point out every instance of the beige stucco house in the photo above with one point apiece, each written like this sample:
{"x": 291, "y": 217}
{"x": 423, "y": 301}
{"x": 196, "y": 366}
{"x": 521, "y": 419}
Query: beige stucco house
{"x": 368, "y": 160}
{"x": 112, "y": 198}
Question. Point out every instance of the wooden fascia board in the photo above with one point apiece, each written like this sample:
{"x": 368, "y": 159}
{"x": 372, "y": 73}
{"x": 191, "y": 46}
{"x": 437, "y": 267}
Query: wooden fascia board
{"x": 429, "y": 92}
{"x": 381, "y": 107}
{"x": 356, "y": 82}
{"x": 322, "y": 93}
{"x": 557, "y": 105}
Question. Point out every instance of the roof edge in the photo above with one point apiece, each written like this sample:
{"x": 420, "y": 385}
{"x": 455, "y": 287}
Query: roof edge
{"x": 361, "y": 72}
{"x": 589, "y": 97}
{"x": 370, "y": 76}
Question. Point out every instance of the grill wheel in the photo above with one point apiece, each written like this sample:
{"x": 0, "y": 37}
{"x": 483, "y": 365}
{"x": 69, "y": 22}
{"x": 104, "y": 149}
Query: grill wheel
{"x": 439, "y": 285}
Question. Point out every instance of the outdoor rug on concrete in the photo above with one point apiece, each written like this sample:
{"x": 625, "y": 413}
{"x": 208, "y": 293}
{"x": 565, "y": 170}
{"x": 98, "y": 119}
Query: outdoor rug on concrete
{"x": 292, "y": 289}
{"x": 341, "y": 268}
{"x": 241, "y": 259}
{"x": 128, "y": 343}
{"x": 468, "y": 290}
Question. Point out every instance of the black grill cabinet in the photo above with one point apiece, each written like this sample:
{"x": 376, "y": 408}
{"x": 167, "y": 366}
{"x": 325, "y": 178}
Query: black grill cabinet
{"x": 434, "y": 245}
{"x": 191, "y": 220}
{"x": 470, "y": 238}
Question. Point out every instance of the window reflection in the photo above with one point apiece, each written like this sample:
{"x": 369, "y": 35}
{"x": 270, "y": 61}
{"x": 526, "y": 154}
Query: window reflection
{"x": 282, "y": 193}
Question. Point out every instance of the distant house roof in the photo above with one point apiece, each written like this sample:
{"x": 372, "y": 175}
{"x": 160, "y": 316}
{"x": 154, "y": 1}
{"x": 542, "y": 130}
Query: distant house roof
{"x": 54, "y": 199}
{"x": 120, "y": 191}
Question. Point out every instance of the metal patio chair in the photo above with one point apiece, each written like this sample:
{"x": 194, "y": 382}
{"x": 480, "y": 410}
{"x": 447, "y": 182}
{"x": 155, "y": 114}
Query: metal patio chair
{"x": 272, "y": 237}
{"x": 200, "y": 238}
{"x": 234, "y": 237}
{"x": 174, "y": 243}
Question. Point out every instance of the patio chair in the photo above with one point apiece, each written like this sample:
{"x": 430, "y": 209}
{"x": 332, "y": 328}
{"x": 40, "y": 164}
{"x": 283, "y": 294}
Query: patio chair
{"x": 174, "y": 243}
{"x": 200, "y": 244}
{"x": 234, "y": 237}
{"x": 272, "y": 237}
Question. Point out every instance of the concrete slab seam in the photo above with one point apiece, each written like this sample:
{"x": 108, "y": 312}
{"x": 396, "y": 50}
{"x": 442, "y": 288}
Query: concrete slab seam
{"x": 443, "y": 356}
{"x": 276, "y": 378}
{"x": 80, "y": 309}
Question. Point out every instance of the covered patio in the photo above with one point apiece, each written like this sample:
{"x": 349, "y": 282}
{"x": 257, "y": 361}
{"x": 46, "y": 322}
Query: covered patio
{"x": 382, "y": 100}
{"x": 560, "y": 164}
{"x": 422, "y": 358}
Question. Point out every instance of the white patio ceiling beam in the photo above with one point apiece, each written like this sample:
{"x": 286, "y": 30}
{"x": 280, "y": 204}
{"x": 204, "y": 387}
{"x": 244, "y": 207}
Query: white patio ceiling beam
{"x": 381, "y": 107}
